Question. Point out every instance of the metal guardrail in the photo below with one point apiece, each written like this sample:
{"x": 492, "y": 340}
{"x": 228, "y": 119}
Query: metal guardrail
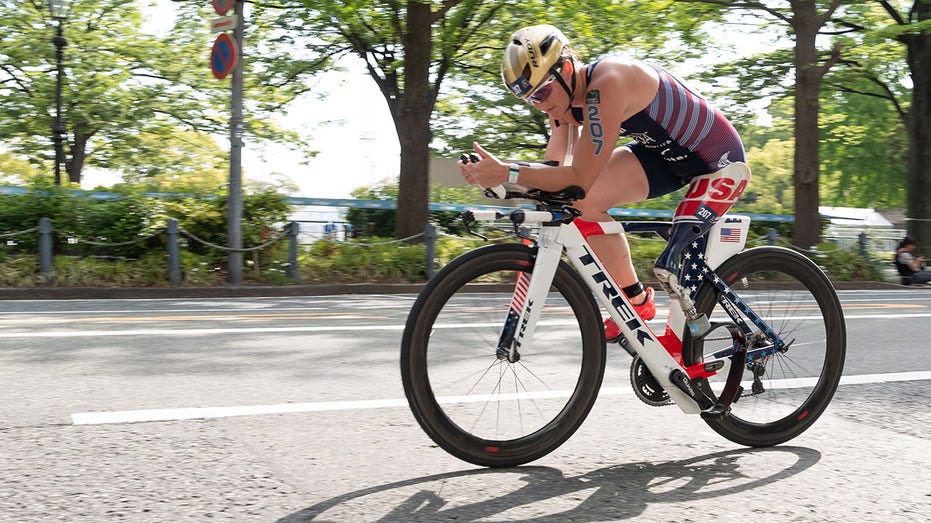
{"x": 173, "y": 231}
{"x": 291, "y": 231}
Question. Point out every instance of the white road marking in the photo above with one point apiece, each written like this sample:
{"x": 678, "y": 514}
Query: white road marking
{"x": 150, "y": 415}
{"x": 357, "y": 328}
{"x": 195, "y": 332}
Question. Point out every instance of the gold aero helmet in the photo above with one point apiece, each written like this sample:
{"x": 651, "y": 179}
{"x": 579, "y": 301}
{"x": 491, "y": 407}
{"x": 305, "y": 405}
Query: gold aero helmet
{"x": 531, "y": 55}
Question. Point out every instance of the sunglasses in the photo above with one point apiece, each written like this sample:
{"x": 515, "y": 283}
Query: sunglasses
{"x": 540, "y": 94}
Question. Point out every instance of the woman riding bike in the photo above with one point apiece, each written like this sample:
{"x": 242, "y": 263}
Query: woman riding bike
{"x": 677, "y": 136}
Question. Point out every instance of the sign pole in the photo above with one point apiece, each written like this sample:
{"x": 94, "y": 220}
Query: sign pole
{"x": 234, "y": 203}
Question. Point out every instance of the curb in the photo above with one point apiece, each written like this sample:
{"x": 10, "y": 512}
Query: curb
{"x": 226, "y": 291}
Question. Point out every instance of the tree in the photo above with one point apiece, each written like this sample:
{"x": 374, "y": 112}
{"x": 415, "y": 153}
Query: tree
{"x": 891, "y": 45}
{"x": 914, "y": 31}
{"x": 129, "y": 95}
{"x": 806, "y": 20}
{"x": 911, "y": 29}
{"x": 408, "y": 49}
{"x": 863, "y": 149}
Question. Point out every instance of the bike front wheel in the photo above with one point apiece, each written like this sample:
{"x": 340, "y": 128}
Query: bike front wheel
{"x": 483, "y": 409}
{"x": 784, "y": 392}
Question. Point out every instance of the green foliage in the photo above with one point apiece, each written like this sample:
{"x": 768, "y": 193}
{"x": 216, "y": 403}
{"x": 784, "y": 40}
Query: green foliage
{"x": 865, "y": 146}
{"x": 374, "y": 222}
{"x": 134, "y": 101}
{"x": 644, "y": 250}
{"x": 199, "y": 269}
{"x": 848, "y": 264}
{"x": 20, "y": 271}
{"x": 131, "y": 230}
{"x": 327, "y": 262}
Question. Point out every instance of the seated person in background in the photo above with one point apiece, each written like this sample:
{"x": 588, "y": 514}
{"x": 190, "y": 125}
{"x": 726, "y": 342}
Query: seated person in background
{"x": 909, "y": 265}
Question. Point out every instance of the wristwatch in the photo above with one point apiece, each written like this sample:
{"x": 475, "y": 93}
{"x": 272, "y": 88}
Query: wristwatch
{"x": 513, "y": 173}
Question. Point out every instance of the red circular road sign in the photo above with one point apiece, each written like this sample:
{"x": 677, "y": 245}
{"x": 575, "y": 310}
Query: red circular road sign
{"x": 222, "y": 6}
{"x": 223, "y": 57}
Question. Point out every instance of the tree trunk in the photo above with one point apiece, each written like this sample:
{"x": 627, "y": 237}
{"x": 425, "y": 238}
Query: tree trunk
{"x": 807, "y": 229}
{"x": 412, "y": 121}
{"x": 75, "y": 165}
{"x": 919, "y": 131}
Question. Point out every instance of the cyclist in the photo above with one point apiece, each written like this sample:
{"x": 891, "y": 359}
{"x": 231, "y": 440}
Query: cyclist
{"x": 677, "y": 136}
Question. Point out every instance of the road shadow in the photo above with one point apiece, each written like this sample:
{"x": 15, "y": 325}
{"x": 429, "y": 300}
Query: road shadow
{"x": 613, "y": 493}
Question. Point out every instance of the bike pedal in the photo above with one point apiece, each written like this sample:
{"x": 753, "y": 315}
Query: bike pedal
{"x": 718, "y": 411}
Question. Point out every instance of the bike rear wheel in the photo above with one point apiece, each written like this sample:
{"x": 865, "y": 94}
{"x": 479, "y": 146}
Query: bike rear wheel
{"x": 489, "y": 411}
{"x": 784, "y": 393}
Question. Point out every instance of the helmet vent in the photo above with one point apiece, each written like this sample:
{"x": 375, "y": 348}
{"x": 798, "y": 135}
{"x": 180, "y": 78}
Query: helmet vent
{"x": 547, "y": 43}
{"x": 526, "y": 73}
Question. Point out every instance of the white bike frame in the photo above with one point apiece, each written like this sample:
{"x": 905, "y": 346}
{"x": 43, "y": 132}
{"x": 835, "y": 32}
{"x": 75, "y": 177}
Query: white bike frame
{"x": 552, "y": 241}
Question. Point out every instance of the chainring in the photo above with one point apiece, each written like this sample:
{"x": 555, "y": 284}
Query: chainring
{"x": 645, "y": 385}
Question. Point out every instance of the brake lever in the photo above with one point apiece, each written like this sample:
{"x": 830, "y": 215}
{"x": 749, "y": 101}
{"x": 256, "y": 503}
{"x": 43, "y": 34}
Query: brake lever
{"x": 468, "y": 218}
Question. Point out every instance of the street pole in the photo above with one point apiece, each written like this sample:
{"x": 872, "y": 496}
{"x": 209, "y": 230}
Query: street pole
{"x": 234, "y": 202}
{"x": 58, "y": 127}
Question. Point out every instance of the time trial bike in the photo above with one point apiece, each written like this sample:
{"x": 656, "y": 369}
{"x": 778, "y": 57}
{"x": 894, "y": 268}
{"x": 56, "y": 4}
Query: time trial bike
{"x": 503, "y": 353}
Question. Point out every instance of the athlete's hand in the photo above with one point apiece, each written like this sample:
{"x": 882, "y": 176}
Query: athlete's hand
{"x": 466, "y": 166}
{"x": 489, "y": 171}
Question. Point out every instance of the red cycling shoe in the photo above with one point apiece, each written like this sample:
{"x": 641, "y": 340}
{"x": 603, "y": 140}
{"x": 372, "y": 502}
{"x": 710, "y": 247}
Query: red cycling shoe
{"x": 646, "y": 311}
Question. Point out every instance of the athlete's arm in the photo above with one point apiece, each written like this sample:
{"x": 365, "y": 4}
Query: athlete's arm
{"x": 617, "y": 92}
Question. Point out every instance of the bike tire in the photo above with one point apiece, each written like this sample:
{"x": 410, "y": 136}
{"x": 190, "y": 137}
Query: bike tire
{"x": 796, "y": 299}
{"x": 488, "y": 411}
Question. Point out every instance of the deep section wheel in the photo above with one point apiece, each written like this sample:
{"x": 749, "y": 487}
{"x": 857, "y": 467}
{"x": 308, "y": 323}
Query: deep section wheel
{"x": 487, "y": 409}
{"x": 784, "y": 391}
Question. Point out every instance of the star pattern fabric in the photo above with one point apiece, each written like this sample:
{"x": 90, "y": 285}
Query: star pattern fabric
{"x": 692, "y": 267}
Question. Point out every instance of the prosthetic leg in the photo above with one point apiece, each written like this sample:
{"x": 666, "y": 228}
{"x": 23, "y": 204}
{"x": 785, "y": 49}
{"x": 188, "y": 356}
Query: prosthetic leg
{"x": 708, "y": 198}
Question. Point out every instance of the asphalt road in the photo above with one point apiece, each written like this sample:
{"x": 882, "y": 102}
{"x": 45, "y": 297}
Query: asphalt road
{"x": 291, "y": 409}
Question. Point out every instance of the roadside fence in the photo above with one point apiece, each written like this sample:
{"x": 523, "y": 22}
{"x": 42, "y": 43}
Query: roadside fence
{"x": 174, "y": 232}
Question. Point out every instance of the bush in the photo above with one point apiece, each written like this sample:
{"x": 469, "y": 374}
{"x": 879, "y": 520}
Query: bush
{"x": 848, "y": 264}
{"x": 129, "y": 230}
{"x": 327, "y": 262}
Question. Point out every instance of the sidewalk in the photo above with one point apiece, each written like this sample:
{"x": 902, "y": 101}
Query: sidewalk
{"x": 239, "y": 291}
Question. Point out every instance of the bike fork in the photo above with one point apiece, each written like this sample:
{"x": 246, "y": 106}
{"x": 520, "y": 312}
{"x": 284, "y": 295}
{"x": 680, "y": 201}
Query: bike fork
{"x": 529, "y": 298}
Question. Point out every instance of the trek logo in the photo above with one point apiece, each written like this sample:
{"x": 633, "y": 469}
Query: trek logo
{"x": 523, "y": 325}
{"x": 716, "y": 189}
{"x": 630, "y": 317}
